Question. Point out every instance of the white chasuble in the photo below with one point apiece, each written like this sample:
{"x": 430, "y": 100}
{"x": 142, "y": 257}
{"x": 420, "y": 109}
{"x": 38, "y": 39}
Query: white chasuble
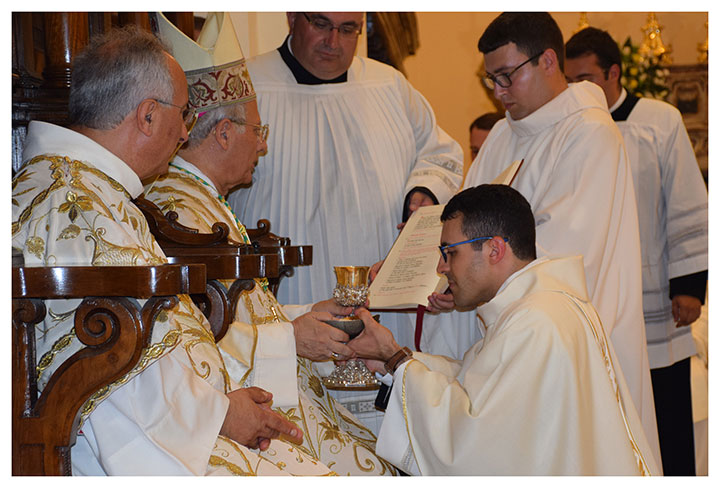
{"x": 341, "y": 159}
{"x": 72, "y": 206}
{"x": 577, "y": 179}
{"x": 259, "y": 347}
{"x": 540, "y": 395}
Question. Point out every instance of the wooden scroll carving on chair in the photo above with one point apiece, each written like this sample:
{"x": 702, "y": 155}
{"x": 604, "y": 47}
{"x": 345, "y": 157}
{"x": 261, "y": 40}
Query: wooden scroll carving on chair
{"x": 112, "y": 325}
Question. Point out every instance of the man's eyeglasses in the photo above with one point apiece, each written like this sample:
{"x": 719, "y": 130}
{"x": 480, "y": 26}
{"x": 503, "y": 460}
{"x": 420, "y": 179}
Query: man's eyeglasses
{"x": 189, "y": 115}
{"x": 261, "y": 131}
{"x": 320, "y": 24}
{"x": 447, "y": 246}
{"x": 503, "y": 79}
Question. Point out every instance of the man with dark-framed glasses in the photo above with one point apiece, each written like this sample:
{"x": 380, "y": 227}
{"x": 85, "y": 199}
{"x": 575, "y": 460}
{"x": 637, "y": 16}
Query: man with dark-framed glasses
{"x": 541, "y": 394}
{"x": 353, "y": 147}
{"x": 576, "y": 177}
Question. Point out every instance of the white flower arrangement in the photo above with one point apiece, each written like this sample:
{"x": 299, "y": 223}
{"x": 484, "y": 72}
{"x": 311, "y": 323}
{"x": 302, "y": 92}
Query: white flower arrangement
{"x": 642, "y": 76}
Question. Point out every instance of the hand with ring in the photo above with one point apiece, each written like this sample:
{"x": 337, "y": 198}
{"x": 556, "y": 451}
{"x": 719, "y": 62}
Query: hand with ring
{"x": 318, "y": 341}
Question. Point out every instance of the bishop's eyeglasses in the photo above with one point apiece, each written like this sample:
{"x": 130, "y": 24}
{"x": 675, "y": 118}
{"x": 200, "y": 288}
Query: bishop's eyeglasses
{"x": 261, "y": 131}
{"x": 503, "y": 80}
{"x": 447, "y": 246}
{"x": 347, "y": 31}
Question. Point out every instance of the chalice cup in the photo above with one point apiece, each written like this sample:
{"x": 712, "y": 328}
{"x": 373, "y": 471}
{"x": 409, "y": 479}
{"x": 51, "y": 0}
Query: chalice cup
{"x": 351, "y": 291}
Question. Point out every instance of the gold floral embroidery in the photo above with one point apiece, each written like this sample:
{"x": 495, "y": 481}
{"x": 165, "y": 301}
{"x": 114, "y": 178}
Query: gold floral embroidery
{"x": 316, "y": 386}
{"x": 232, "y": 468}
{"x": 69, "y": 232}
{"x": 74, "y": 204}
{"x": 60, "y": 345}
{"x": 35, "y": 246}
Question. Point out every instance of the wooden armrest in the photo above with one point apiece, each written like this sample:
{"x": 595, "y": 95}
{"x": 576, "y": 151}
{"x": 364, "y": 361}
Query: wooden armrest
{"x": 54, "y": 282}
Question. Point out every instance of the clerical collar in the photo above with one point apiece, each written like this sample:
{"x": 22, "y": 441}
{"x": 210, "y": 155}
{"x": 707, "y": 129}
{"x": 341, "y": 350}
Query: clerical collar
{"x": 303, "y": 76}
{"x": 619, "y": 101}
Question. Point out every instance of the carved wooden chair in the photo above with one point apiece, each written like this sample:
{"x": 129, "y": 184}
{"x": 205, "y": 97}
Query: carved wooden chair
{"x": 223, "y": 258}
{"x": 114, "y": 329}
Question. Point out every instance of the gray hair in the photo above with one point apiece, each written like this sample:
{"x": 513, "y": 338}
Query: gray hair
{"x": 116, "y": 72}
{"x": 208, "y": 121}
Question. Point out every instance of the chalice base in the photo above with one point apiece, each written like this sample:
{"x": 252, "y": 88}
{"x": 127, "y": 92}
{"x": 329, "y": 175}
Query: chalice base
{"x": 354, "y": 375}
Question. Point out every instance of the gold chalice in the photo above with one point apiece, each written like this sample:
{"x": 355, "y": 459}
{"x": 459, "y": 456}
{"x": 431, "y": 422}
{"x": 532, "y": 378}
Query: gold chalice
{"x": 351, "y": 291}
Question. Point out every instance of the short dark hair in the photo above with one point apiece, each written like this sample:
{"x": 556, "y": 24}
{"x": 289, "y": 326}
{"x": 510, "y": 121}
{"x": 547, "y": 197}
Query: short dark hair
{"x": 532, "y": 32}
{"x": 487, "y": 121}
{"x": 495, "y": 210}
{"x": 598, "y": 42}
{"x": 114, "y": 73}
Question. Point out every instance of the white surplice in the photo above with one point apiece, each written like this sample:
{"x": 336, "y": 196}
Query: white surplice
{"x": 259, "y": 346}
{"x": 341, "y": 159}
{"x": 673, "y": 217}
{"x": 578, "y": 181}
{"x": 72, "y": 206}
{"x": 540, "y": 395}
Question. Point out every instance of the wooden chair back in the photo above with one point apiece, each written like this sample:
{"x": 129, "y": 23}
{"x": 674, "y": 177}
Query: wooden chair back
{"x": 113, "y": 328}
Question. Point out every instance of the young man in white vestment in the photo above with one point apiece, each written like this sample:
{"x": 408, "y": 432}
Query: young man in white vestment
{"x": 541, "y": 394}
{"x": 268, "y": 345}
{"x": 353, "y": 146}
{"x": 178, "y": 412}
{"x": 672, "y": 203}
{"x": 576, "y": 176}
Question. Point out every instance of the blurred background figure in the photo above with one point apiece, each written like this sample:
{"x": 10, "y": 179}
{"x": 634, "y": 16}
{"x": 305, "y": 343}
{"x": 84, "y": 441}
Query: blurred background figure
{"x": 479, "y": 130}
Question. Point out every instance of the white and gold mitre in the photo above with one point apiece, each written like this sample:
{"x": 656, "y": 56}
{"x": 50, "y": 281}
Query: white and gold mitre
{"x": 214, "y": 65}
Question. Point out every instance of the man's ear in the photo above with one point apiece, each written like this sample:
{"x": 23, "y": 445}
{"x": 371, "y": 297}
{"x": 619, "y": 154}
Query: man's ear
{"x": 223, "y": 133}
{"x": 614, "y": 73}
{"x": 291, "y": 16}
{"x": 497, "y": 247}
{"x": 549, "y": 61}
{"x": 144, "y": 116}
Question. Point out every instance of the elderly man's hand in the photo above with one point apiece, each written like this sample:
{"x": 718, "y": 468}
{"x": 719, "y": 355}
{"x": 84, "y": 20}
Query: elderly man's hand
{"x": 319, "y": 341}
{"x": 332, "y": 307}
{"x": 417, "y": 199}
{"x": 685, "y": 309}
{"x": 250, "y": 421}
{"x": 440, "y": 302}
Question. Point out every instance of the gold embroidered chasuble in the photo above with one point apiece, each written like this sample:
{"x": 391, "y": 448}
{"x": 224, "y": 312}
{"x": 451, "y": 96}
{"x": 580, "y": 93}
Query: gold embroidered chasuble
{"x": 331, "y": 433}
{"x": 72, "y": 205}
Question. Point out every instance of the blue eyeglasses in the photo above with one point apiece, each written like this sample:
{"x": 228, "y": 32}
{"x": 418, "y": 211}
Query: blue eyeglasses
{"x": 442, "y": 248}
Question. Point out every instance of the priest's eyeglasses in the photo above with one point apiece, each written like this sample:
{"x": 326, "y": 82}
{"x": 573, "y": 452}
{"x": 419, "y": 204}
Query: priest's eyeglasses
{"x": 503, "y": 80}
{"x": 261, "y": 131}
{"x": 188, "y": 113}
{"x": 321, "y": 24}
{"x": 447, "y": 246}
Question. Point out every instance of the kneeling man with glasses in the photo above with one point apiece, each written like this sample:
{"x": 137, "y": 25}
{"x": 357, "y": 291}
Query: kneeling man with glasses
{"x": 542, "y": 392}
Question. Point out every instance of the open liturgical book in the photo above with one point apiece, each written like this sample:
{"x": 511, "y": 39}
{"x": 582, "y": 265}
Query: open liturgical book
{"x": 409, "y": 274}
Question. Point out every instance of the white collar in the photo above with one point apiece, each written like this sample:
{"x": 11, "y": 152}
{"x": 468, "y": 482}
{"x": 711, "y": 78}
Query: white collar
{"x": 619, "y": 101}
{"x": 574, "y": 98}
{"x": 53, "y": 140}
